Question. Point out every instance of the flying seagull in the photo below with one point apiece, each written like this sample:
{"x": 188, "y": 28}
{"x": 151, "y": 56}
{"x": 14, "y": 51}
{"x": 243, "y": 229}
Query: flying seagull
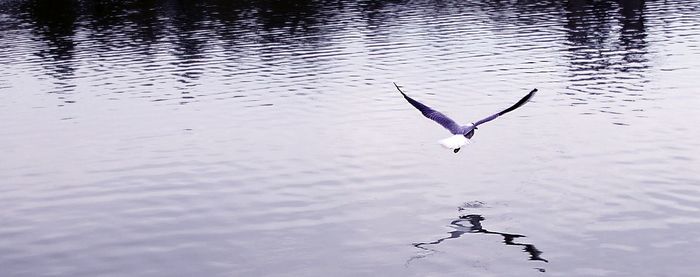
{"x": 461, "y": 134}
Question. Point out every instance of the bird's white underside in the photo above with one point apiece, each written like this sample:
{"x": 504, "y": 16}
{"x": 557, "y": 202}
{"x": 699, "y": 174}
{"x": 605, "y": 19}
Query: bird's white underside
{"x": 454, "y": 142}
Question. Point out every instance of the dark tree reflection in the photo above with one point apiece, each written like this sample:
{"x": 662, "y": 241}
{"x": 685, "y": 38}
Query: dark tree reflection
{"x": 633, "y": 34}
{"x": 604, "y": 41}
{"x": 108, "y": 20}
{"x": 188, "y": 18}
{"x": 607, "y": 48}
{"x": 589, "y": 24}
{"x": 54, "y": 22}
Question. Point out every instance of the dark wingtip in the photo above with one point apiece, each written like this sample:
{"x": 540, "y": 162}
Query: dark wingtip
{"x": 522, "y": 101}
{"x": 397, "y": 87}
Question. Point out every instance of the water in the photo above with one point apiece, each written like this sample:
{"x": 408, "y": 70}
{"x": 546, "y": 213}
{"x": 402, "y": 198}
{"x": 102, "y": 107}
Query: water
{"x": 161, "y": 138}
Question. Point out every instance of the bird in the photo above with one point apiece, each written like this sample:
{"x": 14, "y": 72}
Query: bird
{"x": 461, "y": 134}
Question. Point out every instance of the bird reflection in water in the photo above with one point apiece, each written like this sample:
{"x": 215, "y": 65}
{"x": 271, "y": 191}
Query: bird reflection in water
{"x": 474, "y": 221}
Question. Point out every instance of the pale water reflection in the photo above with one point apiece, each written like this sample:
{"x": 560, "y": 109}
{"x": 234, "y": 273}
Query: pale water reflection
{"x": 244, "y": 138}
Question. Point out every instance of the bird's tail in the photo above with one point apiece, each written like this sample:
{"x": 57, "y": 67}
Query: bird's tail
{"x": 454, "y": 142}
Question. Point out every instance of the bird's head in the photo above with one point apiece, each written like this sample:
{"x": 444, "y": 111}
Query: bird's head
{"x": 470, "y": 134}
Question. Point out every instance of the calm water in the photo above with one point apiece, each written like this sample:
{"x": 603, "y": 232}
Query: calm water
{"x": 160, "y": 138}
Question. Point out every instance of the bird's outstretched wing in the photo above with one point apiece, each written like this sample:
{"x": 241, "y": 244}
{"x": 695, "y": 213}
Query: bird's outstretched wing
{"x": 517, "y": 105}
{"x": 434, "y": 115}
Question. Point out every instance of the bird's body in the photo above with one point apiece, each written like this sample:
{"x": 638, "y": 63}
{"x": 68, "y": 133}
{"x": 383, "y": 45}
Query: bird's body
{"x": 454, "y": 142}
{"x": 461, "y": 133}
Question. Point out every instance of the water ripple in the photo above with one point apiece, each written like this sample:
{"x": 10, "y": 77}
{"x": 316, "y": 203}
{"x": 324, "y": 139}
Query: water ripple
{"x": 266, "y": 138}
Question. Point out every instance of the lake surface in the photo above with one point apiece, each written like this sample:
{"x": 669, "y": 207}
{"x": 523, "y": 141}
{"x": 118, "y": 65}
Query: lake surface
{"x": 256, "y": 138}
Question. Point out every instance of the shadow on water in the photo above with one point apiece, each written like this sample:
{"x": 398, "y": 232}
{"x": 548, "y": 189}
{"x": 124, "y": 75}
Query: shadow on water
{"x": 471, "y": 224}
